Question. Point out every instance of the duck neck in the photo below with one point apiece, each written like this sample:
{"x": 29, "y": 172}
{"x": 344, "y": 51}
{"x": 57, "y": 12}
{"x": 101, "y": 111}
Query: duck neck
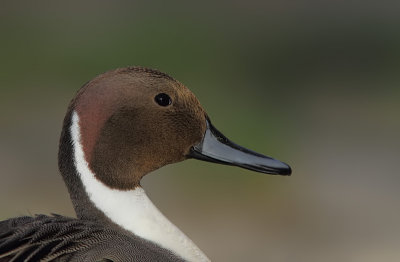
{"x": 130, "y": 210}
{"x": 84, "y": 207}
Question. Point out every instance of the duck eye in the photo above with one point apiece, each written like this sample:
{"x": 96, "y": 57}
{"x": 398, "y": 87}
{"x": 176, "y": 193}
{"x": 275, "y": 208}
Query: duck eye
{"x": 163, "y": 99}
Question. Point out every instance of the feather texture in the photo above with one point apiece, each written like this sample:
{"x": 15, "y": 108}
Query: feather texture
{"x": 59, "y": 238}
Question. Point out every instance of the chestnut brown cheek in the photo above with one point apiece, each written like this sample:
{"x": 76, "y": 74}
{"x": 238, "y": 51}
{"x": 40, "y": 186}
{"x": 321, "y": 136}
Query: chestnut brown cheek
{"x": 133, "y": 143}
{"x": 114, "y": 158}
{"x": 130, "y": 147}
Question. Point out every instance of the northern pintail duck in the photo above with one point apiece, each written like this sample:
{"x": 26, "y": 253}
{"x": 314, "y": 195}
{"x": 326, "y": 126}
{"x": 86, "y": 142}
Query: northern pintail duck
{"x": 120, "y": 126}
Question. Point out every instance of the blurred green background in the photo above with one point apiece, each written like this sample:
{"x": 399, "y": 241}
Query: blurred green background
{"x": 312, "y": 83}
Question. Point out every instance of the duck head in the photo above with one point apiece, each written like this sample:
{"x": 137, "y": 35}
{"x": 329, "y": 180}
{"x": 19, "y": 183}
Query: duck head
{"x": 136, "y": 120}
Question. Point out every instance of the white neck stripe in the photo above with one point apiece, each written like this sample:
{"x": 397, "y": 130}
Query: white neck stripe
{"x": 132, "y": 209}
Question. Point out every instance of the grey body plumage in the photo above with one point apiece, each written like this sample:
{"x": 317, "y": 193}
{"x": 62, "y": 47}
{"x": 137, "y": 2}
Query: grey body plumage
{"x": 60, "y": 238}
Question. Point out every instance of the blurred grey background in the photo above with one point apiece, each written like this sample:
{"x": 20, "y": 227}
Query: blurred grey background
{"x": 312, "y": 83}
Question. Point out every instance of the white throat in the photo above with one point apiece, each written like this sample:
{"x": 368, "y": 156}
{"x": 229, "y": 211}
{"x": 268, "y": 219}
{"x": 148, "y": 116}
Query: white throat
{"x": 132, "y": 209}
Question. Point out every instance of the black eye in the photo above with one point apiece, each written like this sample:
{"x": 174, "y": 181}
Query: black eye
{"x": 163, "y": 99}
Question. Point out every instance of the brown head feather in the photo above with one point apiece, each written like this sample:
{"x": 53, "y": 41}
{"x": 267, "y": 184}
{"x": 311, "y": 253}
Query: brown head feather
{"x": 125, "y": 134}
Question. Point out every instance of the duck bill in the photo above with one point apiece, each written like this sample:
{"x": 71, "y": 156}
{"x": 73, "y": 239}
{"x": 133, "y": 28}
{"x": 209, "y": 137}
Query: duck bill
{"x": 216, "y": 148}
